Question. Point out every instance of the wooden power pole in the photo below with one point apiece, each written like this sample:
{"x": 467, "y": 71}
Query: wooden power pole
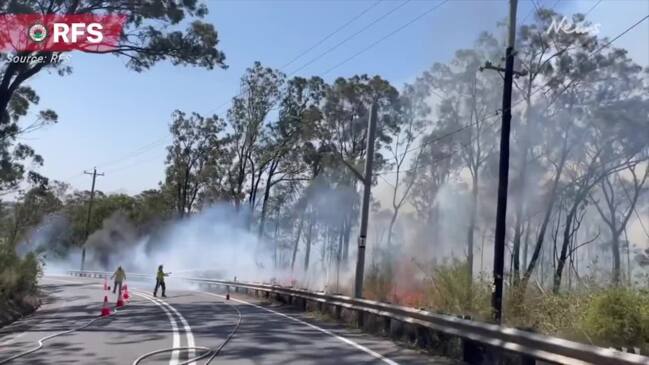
{"x": 87, "y": 231}
{"x": 503, "y": 170}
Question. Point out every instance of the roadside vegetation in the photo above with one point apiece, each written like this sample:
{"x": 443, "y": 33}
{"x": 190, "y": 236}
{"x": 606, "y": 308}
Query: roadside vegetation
{"x": 18, "y": 285}
{"x": 286, "y": 156}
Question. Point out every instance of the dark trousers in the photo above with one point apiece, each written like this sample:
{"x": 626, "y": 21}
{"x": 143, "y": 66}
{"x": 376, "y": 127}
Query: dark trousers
{"x": 159, "y": 283}
{"x": 120, "y": 287}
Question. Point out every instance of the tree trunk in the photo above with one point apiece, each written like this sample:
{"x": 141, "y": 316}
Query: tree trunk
{"x": 615, "y": 250}
{"x": 395, "y": 212}
{"x": 307, "y": 253}
{"x": 264, "y": 205}
{"x": 546, "y": 218}
{"x": 518, "y": 227}
{"x": 561, "y": 262}
{"x": 297, "y": 240}
{"x": 348, "y": 233}
{"x": 471, "y": 228}
{"x": 526, "y": 243}
{"x": 522, "y": 180}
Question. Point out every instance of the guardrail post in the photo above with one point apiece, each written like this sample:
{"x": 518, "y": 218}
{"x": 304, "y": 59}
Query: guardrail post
{"x": 360, "y": 318}
{"x": 424, "y": 338}
{"x": 387, "y": 324}
{"x": 528, "y": 360}
{"x": 471, "y": 352}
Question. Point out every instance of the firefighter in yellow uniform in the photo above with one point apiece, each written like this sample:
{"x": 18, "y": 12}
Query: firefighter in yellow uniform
{"x": 160, "y": 281}
{"x": 119, "y": 276}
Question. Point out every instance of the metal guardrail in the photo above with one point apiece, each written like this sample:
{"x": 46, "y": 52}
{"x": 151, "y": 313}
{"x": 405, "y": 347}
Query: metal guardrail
{"x": 530, "y": 346}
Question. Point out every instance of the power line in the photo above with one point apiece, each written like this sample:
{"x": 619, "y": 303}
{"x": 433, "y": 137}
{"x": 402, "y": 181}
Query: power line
{"x": 606, "y": 45}
{"x": 449, "y": 134}
{"x": 471, "y": 140}
{"x": 322, "y": 40}
{"x": 325, "y": 38}
{"x": 155, "y": 143}
{"x": 395, "y": 31}
{"x": 593, "y": 7}
{"x": 217, "y": 109}
{"x": 421, "y": 145}
{"x": 330, "y": 49}
{"x": 532, "y": 10}
{"x": 139, "y": 151}
{"x": 137, "y": 163}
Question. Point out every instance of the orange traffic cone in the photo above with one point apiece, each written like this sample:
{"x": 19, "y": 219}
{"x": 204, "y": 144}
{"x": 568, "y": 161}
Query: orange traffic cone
{"x": 105, "y": 310}
{"x": 125, "y": 295}
{"x": 120, "y": 301}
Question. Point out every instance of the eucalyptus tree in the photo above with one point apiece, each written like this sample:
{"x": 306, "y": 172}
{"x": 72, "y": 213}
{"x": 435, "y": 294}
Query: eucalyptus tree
{"x": 466, "y": 112}
{"x": 261, "y": 91}
{"x": 343, "y": 130}
{"x": 542, "y": 57}
{"x": 192, "y": 157}
{"x": 610, "y": 111}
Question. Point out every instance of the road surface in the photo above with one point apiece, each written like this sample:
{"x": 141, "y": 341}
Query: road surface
{"x": 267, "y": 333}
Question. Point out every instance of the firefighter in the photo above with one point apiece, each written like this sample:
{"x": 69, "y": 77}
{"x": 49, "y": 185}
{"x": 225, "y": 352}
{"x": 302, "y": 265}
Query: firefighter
{"x": 160, "y": 281}
{"x": 119, "y": 276}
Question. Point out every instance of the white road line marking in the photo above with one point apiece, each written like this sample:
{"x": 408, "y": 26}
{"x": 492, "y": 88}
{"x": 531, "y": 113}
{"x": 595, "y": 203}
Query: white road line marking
{"x": 325, "y": 331}
{"x": 174, "y": 327}
{"x": 186, "y": 327}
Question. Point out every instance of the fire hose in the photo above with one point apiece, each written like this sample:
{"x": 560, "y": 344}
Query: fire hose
{"x": 42, "y": 341}
{"x": 211, "y": 352}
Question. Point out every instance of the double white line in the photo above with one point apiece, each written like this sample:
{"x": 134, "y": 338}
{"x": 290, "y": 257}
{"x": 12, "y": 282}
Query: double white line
{"x": 168, "y": 309}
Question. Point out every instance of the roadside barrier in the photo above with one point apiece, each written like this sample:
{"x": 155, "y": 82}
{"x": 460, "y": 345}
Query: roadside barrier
{"x": 478, "y": 340}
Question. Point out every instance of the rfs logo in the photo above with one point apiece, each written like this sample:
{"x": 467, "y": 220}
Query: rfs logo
{"x": 37, "y": 32}
{"x": 67, "y": 33}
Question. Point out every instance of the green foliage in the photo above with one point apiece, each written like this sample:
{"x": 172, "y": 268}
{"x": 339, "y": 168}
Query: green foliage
{"x": 379, "y": 282}
{"x": 18, "y": 276}
{"x": 452, "y": 291}
{"x": 194, "y": 158}
{"x": 618, "y": 317}
{"x": 554, "y": 314}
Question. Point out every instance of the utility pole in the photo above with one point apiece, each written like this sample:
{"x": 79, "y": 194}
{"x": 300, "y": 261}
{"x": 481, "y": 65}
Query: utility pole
{"x": 367, "y": 184}
{"x": 92, "y": 196}
{"x": 503, "y": 170}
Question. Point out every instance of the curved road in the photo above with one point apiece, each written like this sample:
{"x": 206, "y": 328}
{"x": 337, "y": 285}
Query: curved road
{"x": 267, "y": 334}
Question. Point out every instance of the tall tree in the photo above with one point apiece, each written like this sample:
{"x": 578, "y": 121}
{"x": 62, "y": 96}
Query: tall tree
{"x": 413, "y": 111}
{"x": 261, "y": 90}
{"x": 343, "y": 131}
{"x": 467, "y": 104}
{"x": 193, "y": 157}
{"x": 619, "y": 203}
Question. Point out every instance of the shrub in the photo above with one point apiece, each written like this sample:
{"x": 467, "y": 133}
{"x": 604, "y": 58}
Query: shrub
{"x": 618, "y": 317}
{"x": 379, "y": 283}
{"x": 554, "y": 314}
{"x": 452, "y": 291}
{"x": 18, "y": 277}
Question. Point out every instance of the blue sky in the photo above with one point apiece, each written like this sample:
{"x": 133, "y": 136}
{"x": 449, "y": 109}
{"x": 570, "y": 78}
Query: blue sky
{"x": 117, "y": 119}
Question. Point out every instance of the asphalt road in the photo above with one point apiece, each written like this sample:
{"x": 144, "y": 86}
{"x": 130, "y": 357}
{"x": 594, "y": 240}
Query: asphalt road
{"x": 266, "y": 333}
